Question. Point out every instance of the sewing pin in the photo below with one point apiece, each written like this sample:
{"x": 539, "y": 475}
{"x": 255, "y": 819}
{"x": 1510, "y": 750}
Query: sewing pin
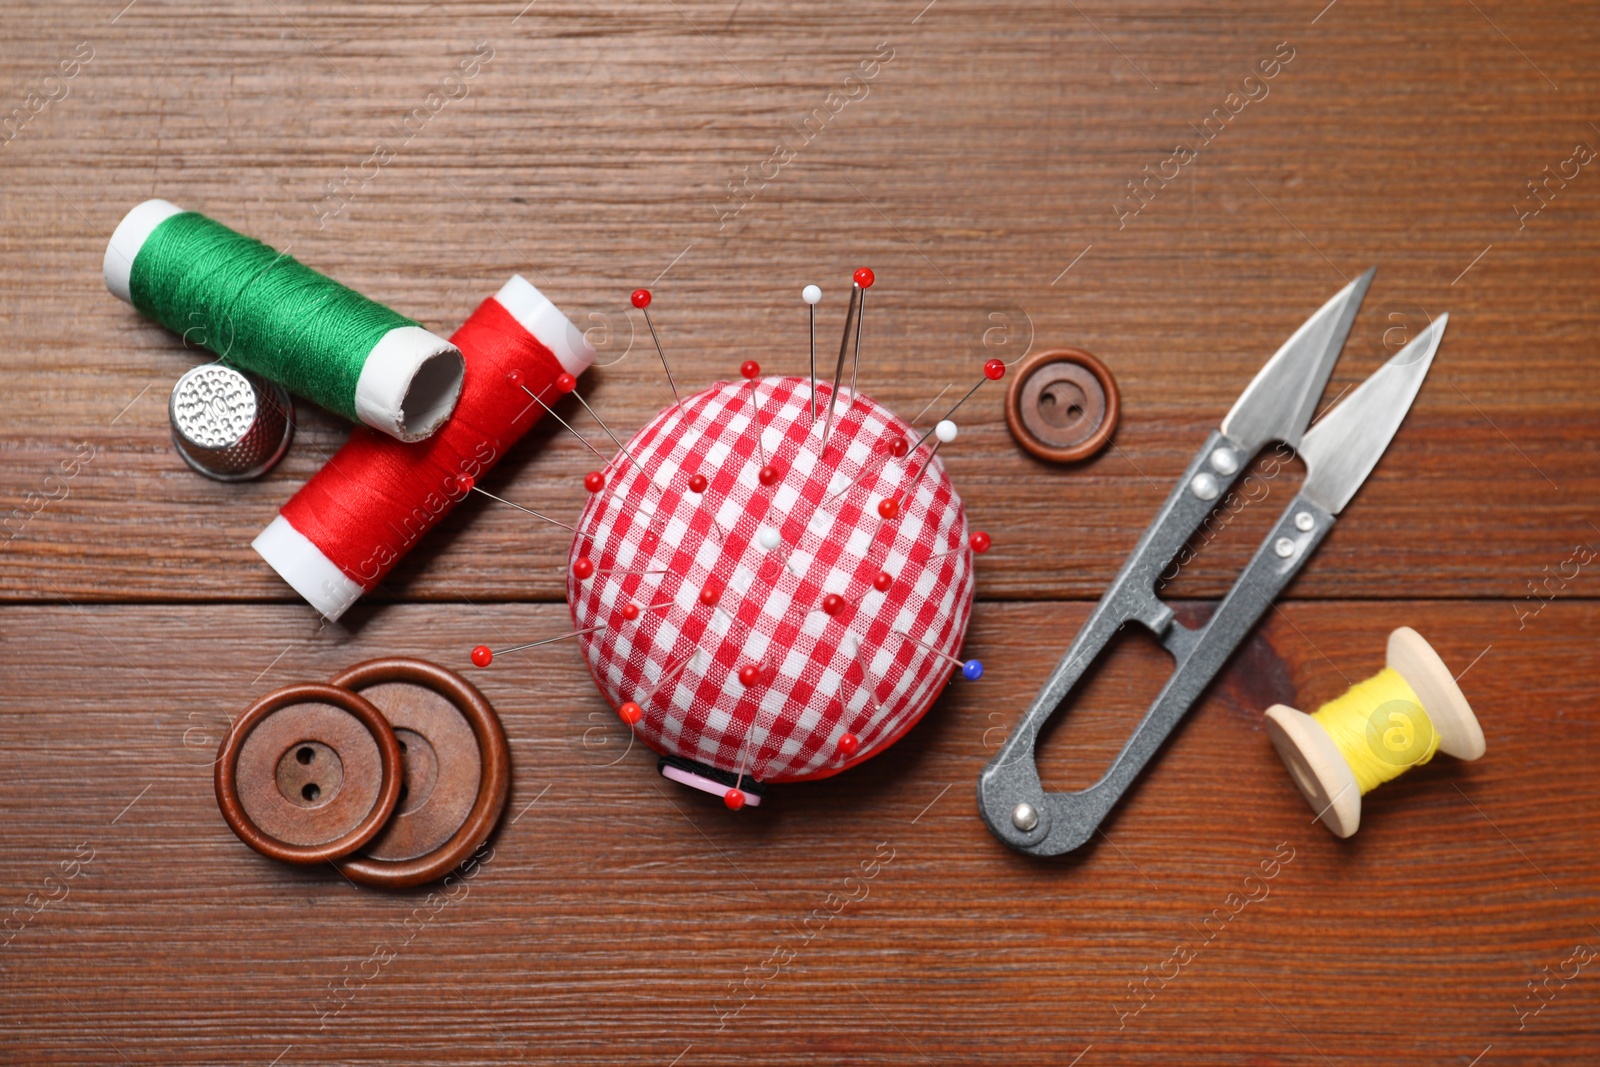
{"x": 566, "y": 383}
{"x": 632, "y": 711}
{"x": 971, "y": 669}
{"x": 750, "y": 370}
{"x": 979, "y": 542}
{"x": 993, "y": 371}
{"x": 945, "y": 431}
{"x": 771, "y": 540}
{"x": 898, "y": 448}
{"x": 467, "y": 485}
{"x": 812, "y": 295}
{"x": 515, "y": 378}
{"x": 641, "y": 300}
{"x": 482, "y": 656}
{"x": 863, "y": 278}
{"x": 852, "y": 320}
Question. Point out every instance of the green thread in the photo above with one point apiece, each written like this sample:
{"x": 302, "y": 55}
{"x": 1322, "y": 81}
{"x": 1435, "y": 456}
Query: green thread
{"x": 258, "y": 309}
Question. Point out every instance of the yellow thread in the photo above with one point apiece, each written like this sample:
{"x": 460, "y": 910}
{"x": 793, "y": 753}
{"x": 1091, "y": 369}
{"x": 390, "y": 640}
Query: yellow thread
{"x": 1380, "y": 728}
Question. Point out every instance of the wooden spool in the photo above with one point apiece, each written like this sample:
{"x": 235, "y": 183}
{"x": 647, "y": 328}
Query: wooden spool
{"x": 1320, "y": 769}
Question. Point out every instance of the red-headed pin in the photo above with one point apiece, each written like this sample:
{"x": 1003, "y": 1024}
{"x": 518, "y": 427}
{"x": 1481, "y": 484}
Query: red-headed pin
{"x": 852, "y": 325}
{"x": 467, "y": 483}
{"x": 993, "y": 371}
{"x": 979, "y": 542}
{"x": 896, "y": 446}
{"x": 483, "y": 655}
{"x": 566, "y": 383}
{"x": 641, "y": 300}
{"x": 515, "y": 378}
{"x": 767, "y": 474}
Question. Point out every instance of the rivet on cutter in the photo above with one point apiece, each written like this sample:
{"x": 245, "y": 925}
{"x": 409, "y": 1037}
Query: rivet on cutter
{"x": 1339, "y": 452}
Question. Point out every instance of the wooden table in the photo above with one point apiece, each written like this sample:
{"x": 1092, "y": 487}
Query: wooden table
{"x": 983, "y": 169}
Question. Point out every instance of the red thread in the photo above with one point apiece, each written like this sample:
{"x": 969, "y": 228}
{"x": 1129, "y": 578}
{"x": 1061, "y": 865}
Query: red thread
{"x": 377, "y": 497}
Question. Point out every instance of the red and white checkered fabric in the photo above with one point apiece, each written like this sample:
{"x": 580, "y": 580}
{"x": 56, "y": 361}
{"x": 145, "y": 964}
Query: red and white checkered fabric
{"x": 821, "y": 676}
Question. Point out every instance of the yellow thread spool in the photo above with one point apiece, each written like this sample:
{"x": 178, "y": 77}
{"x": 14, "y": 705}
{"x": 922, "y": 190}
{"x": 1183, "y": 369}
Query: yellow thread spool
{"x": 1375, "y": 732}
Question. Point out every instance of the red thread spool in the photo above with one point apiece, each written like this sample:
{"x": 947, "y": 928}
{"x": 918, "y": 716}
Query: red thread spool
{"x": 357, "y": 517}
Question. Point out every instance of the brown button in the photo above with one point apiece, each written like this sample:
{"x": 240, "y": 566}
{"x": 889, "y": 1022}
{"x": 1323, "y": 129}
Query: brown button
{"x": 1063, "y": 405}
{"x": 456, "y": 767}
{"x": 308, "y": 774}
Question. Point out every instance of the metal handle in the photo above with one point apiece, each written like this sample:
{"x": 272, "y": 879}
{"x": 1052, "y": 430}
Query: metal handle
{"x": 1010, "y": 797}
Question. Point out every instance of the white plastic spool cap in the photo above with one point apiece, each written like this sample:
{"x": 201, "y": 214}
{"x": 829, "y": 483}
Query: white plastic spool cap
{"x": 302, "y": 564}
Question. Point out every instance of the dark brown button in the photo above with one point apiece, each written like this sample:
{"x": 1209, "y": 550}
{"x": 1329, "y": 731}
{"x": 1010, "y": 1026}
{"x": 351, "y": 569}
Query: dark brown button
{"x": 457, "y": 771}
{"x": 1063, "y": 405}
{"x": 309, "y": 773}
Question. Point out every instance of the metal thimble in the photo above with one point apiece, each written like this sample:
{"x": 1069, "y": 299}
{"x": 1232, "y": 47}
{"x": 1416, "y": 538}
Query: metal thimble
{"x": 229, "y": 425}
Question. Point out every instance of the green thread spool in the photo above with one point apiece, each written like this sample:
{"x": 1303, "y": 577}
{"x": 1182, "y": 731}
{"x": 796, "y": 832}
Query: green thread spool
{"x": 265, "y": 312}
{"x": 1379, "y": 729}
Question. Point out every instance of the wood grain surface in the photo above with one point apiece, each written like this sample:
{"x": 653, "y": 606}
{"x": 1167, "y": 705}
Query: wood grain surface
{"x": 983, "y": 171}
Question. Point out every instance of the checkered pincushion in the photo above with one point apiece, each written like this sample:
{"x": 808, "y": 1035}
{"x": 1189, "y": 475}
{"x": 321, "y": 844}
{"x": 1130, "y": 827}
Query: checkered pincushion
{"x": 821, "y": 676}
